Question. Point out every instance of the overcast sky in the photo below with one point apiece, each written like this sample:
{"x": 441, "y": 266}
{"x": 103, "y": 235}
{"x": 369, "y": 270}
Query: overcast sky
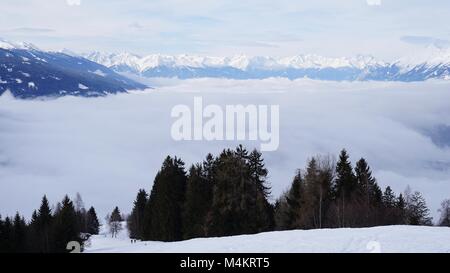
{"x": 383, "y": 28}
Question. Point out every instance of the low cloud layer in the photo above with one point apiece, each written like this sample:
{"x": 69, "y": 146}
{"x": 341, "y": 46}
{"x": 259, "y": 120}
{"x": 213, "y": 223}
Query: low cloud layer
{"x": 426, "y": 41}
{"x": 108, "y": 148}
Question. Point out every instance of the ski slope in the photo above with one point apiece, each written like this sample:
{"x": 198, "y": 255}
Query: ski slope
{"x": 348, "y": 240}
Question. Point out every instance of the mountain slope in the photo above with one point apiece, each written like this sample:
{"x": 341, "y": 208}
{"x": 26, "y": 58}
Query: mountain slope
{"x": 28, "y": 72}
{"x": 360, "y": 240}
{"x": 309, "y": 66}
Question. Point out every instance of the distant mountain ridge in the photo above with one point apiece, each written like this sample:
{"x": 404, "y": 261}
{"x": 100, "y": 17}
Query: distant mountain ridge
{"x": 28, "y": 72}
{"x": 310, "y": 66}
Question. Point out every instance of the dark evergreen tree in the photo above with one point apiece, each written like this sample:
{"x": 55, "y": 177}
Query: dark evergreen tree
{"x": 3, "y": 236}
{"x": 19, "y": 234}
{"x": 92, "y": 222}
{"x": 444, "y": 220}
{"x": 209, "y": 168}
{"x": 389, "y": 199}
{"x": 33, "y": 239}
{"x": 344, "y": 188}
{"x": 390, "y": 212}
{"x": 368, "y": 197}
{"x": 280, "y": 213}
{"x": 81, "y": 213}
{"x": 56, "y": 209}
{"x": 135, "y": 221}
{"x": 7, "y": 236}
{"x": 66, "y": 227}
{"x": 241, "y": 152}
{"x": 43, "y": 226}
{"x": 401, "y": 210}
{"x": 163, "y": 213}
{"x": 318, "y": 181}
{"x": 234, "y": 196}
{"x": 417, "y": 211}
{"x": 198, "y": 202}
{"x": 295, "y": 202}
{"x": 401, "y": 202}
{"x": 115, "y": 222}
{"x": 261, "y": 208}
{"x": 240, "y": 193}
{"x": 311, "y": 195}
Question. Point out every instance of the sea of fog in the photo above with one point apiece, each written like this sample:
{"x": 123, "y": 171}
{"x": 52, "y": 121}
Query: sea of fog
{"x": 108, "y": 148}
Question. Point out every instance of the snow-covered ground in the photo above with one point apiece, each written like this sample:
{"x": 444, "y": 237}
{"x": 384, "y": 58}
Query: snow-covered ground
{"x": 378, "y": 239}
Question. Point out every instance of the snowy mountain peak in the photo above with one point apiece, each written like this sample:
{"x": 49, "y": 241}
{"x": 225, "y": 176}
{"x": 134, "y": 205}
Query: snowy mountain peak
{"x": 69, "y": 52}
{"x": 8, "y": 45}
{"x": 241, "y": 62}
{"x": 434, "y": 64}
{"x": 27, "y": 72}
{"x": 431, "y": 56}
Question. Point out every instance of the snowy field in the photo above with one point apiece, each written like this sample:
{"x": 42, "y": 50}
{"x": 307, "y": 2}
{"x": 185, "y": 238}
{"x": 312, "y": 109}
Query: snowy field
{"x": 397, "y": 239}
{"x": 107, "y": 148}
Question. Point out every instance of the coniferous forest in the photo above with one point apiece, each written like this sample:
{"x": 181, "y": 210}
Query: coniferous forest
{"x": 228, "y": 194}
{"x": 50, "y": 229}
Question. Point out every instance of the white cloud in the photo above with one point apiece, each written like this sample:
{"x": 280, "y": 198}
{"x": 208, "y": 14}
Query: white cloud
{"x": 73, "y": 2}
{"x": 108, "y": 148}
{"x": 425, "y": 41}
{"x": 373, "y": 2}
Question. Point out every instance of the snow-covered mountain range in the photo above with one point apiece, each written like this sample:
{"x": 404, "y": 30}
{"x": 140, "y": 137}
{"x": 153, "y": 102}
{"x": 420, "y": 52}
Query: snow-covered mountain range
{"x": 435, "y": 65}
{"x": 241, "y": 62}
{"x": 28, "y": 72}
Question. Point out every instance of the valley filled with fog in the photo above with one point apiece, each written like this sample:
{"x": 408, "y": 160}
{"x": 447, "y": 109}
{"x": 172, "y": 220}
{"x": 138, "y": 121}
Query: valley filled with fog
{"x": 107, "y": 148}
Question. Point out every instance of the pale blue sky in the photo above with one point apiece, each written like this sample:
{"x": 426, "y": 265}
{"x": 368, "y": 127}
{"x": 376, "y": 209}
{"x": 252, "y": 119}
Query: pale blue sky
{"x": 227, "y": 27}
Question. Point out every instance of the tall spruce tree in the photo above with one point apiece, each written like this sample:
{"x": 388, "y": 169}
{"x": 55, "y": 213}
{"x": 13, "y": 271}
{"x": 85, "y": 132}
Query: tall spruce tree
{"x": 262, "y": 208}
{"x": 7, "y": 243}
{"x": 115, "y": 222}
{"x": 198, "y": 202}
{"x": 19, "y": 233}
{"x": 389, "y": 198}
{"x": 135, "y": 221}
{"x": 390, "y": 212}
{"x": 345, "y": 187}
{"x": 163, "y": 213}
{"x": 311, "y": 195}
{"x": 43, "y": 226}
{"x": 318, "y": 181}
{"x": 234, "y": 196}
{"x": 80, "y": 212}
{"x": 2, "y": 236}
{"x": 66, "y": 227}
{"x": 209, "y": 168}
{"x": 368, "y": 197}
{"x": 400, "y": 206}
{"x": 295, "y": 202}
{"x": 417, "y": 210}
{"x": 92, "y": 222}
{"x": 33, "y": 239}
{"x": 444, "y": 220}
{"x": 280, "y": 213}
